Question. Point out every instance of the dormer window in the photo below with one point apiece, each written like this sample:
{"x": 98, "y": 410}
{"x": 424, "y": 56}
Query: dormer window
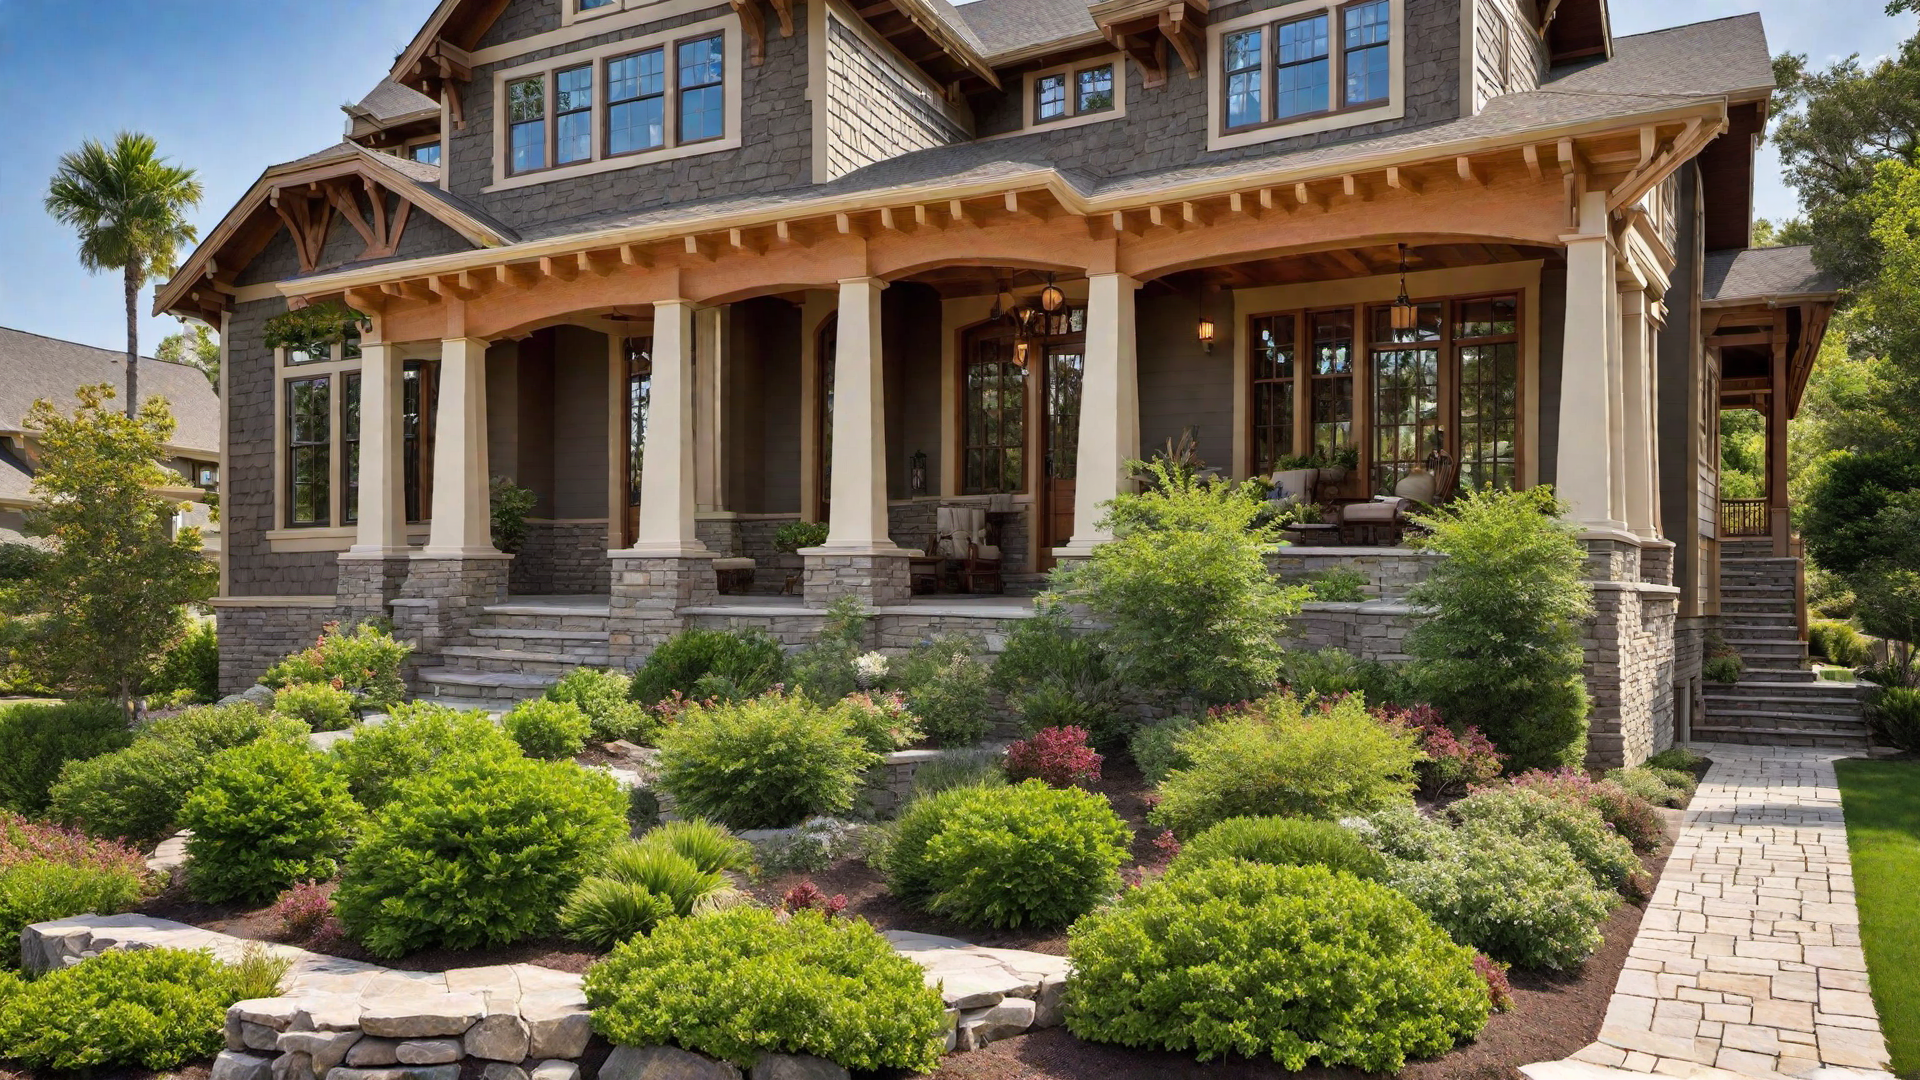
{"x": 1304, "y": 67}
{"x": 1076, "y": 94}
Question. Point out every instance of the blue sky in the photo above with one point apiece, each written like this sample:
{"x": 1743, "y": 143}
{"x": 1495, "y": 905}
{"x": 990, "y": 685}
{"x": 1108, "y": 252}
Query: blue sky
{"x": 231, "y": 86}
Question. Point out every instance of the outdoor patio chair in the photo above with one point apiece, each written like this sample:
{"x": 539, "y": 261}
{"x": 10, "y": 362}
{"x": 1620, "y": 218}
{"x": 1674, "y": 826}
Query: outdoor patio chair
{"x": 963, "y": 538}
{"x": 1378, "y": 522}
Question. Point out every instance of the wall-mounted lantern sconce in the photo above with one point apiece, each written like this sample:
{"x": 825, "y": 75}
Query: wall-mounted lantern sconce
{"x": 1206, "y": 333}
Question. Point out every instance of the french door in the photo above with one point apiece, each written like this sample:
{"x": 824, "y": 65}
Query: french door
{"x": 639, "y": 390}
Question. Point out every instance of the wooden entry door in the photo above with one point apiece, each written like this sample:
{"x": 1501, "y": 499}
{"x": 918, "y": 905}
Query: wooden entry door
{"x": 639, "y": 390}
{"x": 1063, "y": 372}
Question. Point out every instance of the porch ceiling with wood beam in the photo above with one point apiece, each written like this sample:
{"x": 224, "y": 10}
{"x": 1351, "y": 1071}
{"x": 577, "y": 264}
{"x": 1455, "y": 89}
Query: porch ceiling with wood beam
{"x": 1517, "y": 194}
{"x": 1746, "y": 336}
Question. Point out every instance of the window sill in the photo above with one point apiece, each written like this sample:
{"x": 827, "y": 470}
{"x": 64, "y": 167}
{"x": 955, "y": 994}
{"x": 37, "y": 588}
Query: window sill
{"x": 1327, "y": 121}
{"x": 609, "y": 164}
{"x": 329, "y": 538}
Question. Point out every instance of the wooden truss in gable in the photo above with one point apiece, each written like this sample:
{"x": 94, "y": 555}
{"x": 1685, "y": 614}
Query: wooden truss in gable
{"x": 308, "y": 210}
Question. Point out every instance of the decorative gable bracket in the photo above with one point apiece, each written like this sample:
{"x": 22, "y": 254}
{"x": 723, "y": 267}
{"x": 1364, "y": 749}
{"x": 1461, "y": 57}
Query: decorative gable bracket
{"x": 1146, "y": 29}
{"x": 308, "y": 209}
{"x": 755, "y": 25}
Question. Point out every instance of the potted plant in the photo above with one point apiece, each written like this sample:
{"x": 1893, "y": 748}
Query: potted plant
{"x": 794, "y": 535}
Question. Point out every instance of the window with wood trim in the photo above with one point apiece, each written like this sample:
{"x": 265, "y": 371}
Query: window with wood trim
{"x": 703, "y": 98}
{"x": 573, "y": 114}
{"x": 637, "y": 102}
{"x": 1302, "y": 68}
{"x": 419, "y": 397}
{"x": 1368, "y": 31}
{"x": 994, "y": 417}
{"x": 309, "y": 452}
{"x": 1083, "y": 92}
{"x": 1273, "y": 345}
{"x": 527, "y": 124}
{"x": 1405, "y": 373}
{"x": 427, "y": 153}
{"x": 1311, "y": 63}
{"x": 639, "y": 358}
{"x": 1486, "y": 336}
{"x": 1331, "y": 412}
{"x": 350, "y": 447}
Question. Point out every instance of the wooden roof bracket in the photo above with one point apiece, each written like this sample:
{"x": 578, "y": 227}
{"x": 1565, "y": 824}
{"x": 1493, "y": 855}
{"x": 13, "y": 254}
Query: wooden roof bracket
{"x": 1182, "y": 35}
{"x": 784, "y": 9}
{"x": 755, "y": 25}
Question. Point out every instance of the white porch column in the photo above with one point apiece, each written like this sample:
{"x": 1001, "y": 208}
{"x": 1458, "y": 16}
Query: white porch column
{"x": 857, "y": 514}
{"x": 1638, "y": 399}
{"x": 461, "y": 527}
{"x": 1109, "y": 408}
{"x": 1588, "y": 374}
{"x": 667, "y": 477}
{"x": 382, "y": 530}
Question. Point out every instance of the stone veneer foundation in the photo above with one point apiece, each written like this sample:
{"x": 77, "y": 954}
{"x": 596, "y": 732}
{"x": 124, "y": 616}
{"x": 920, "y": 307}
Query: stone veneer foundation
{"x": 649, "y": 592}
{"x": 876, "y": 579}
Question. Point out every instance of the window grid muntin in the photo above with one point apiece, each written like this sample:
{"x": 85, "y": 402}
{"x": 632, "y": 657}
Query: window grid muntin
{"x": 1303, "y": 67}
{"x": 1093, "y": 89}
{"x": 1366, "y": 30}
{"x": 1274, "y": 346}
{"x": 702, "y": 87}
{"x": 1407, "y": 403}
{"x": 573, "y": 114}
{"x": 350, "y": 448}
{"x": 527, "y": 125}
{"x": 1050, "y": 97}
{"x": 994, "y": 429}
{"x": 309, "y": 442}
{"x": 1487, "y": 359}
{"x": 1330, "y": 413}
{"x": 1243, "y": 60}
{"x": 637, "y": 100}
{"x": 1252, "y": 93}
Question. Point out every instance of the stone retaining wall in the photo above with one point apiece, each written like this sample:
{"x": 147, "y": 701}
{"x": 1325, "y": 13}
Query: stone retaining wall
{"x": 1391, "y": 571}
{"x": 253, "y": 639}
{"x": 562, "y": 558}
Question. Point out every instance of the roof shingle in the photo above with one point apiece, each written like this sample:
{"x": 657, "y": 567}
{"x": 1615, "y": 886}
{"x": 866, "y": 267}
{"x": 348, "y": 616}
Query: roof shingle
{"x": 1004, "y": 26}
{"x": 1763, "y": 273}
{"x": 33, "y": 367}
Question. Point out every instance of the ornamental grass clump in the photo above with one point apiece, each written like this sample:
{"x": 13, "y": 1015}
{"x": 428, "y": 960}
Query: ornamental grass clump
{"x": 1281, "y": 841}
{"x": 766, "y": 763}
{"x": 1286, "y": 755}
{"x": 48, "y": 872}
{"x": 1497, "y": 644}
{"x": 480, "y": 849}
{"x": 365, "y": 661}
{"x": 673, "y": 870}
{"x": 1024, "y": 855}
{"x": 746, "y": 982}
{"x": 1295, "y": 963}
{"x": 265, "y": 816}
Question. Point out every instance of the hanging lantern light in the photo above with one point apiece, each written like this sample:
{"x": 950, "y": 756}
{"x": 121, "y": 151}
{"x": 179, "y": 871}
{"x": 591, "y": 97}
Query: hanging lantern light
{"x": 1206, "y": 333}
{"x": 1051, "y": 298}
{"x": 1405, "y": 316}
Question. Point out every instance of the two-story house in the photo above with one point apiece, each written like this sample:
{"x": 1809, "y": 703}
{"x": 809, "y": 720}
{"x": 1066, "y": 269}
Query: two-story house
{"x": 695, "y": 269}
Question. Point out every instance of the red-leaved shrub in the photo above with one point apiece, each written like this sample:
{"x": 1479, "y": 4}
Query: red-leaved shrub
{"x": 1166, "y": 845}
{"x": 807, "y": 896}
{"x": 303, "y": 909}
{"x": 1499, "y": 990}
{"x": 23, "y": 841}
{"x": 1059, "y": 756}
{"x": 1454, "y": 760}
{"x": 1630, "y": 815}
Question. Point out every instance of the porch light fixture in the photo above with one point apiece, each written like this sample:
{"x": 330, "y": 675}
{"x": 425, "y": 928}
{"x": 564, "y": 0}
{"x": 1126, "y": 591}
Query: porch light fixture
{"x": 1405, "y": 317}
{"x": 1206, "y": 333}
{"x": 1051, "y": 298}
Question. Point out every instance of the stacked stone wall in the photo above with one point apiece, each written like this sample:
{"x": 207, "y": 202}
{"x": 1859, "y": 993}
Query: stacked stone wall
{"x": 253, "y": 639}
{"x": 562, "y": 558}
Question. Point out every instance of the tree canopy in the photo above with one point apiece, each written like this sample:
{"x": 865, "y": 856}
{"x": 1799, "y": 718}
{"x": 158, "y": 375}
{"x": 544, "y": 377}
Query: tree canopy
{"x": 194, "y": 346}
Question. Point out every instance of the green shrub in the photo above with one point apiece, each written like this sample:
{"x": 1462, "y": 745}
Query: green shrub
{"x": 549, "y": 730}
{"x": 1661, "y": 787}
{"x": 882, "y": 721}
{"x": 970, "y": 766}
{"x": 1338, "y": 586}
{"x": 825, "y": 670}
{"x": 745, "y": 982}
{"x": 265, "y": 816}
{"x": 1156, "y": 747}
{"x": 1894, "y": 714}
{"x": 1284, "y": 755}
{"x": 1839, "y": 642}
{"x": 1532, "y": 906}
{"x": 317, "y": 705}
{"x": 1025, "y": 855}
{"x": 946, "y": 685}
{"x": 794, "y": 535}
{"x": 47, "y": 872}
{"x": 1184, "y": 591}
{"x": 603, "y": 696}
{"x": 721, "y": 665}
{"x": 38, "y": 739}
{"x": 1628, "y": 814}
{"x": 20, "y": 562}
{"x": 707, "y": 845}
{"x": 1678, "y": 757}
{"x": 1531, "y": 818}
{"x": 1498, "y": 641}
{"x": 508, "y": 505}
{"x": 765, "y": 763}
{"x": 602, "y": 912}
{"x": 152, "y": 1008}
{"x": 414, "y": 738}
{"x": 1281, "y": 841}
{"x": 1053, "y": 675}
{"x": 136, "y": 792}
{"x": 365, "y": 660}
{"x": 1292, "y": 962}
{"x": 1327, "y": 672}
{"x": 192, "y": 664}
{"x": 1725, "y": 668}
{"x": 478, "y": 850}
{"x": 665, "y": 872}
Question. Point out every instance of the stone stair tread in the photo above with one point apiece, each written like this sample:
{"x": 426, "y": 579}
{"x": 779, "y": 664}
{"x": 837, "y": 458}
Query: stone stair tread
{"x": 502, "y": 679}
{"x": 1786, "y": 714}
{"x": 601, "y": 610}
{"x": 538, "y": 632}
{"x": 1715, "y": 732}
{"x": 518, "y": 656}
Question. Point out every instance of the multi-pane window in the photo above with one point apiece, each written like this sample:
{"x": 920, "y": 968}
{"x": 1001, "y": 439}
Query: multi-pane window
{"x": 639, "y": 397}
{"x": 1406, "y": 393}
{"x": 309, "y": 435}
{"x": 703, "y": 99}
{"x": 591, "y": 5}
{"x": 1367, "y": 30}
{"x": 527, "y": 124}
{"x": 1050, "y": 97}
{"x": 637, "y": 102}
{"x": 1320, "y": 62}
{"x": 427, "y": 153}
{"x": 1331, "y": 412}
{"x": 350, "y": 447}
{"x": 1243, "y": 71}
{"x": 995, "y": 428}
{"x": 1076, "y": 91}
{"x": 1300, "y": 67}
{"x": 1273, "y": 345}
{"x": 1094, "y": 92}
{"x": 573, "y": 115}
{"x": 1486, "y": 336}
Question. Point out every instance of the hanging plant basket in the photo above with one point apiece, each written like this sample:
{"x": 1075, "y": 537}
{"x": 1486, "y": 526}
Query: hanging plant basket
{"x": 313, "y": 328}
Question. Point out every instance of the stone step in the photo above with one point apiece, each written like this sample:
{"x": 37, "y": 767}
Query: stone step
{"x": 1770, "y": 647}
{"x": 1782, "y": 719}
{"x": 1784, "y": 630}
{"x": 1769, "y": 670}
{"x": 1732, "y": 590}
{"x": 513, "y": 661}
{"x": 567, "y": 643}
{"x": 1836, "y": 738}
{"x": 482, "y": 688}
{"x": 583, "y": 618}
{"x": 1758, "y": 687}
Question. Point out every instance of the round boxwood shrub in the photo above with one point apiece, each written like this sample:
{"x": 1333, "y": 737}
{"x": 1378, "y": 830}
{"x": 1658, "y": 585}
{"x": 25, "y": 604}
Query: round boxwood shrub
{"x": 320, "y": 706}
{"x": 1292, "y": 962}
{"x": 549, "y": 730}
{"x": 266, "y": 815}
{"x": 745, "y": 982}
{"x": 1281, "y": 841}
{"x": 1288, "y": 755}
{"x": 409, "y": 743}
{"x": 602, "y": 695}
{"x": 38, "y": 739}
{"x": 1530, "y": 817}
{"x": 481, "y": 849}
{"x": 766, "y": 763}
{"x": 136, "y": 792}
{"x": 711, "y": 664}
{"x": 1529, "y": 905}
{"x": 1024, "y": 855}
{"x": 152, "y": 1008}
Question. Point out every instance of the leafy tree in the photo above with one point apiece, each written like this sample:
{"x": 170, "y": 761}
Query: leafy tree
{"x": 1743, "y": 447}
{"x": 129, "y": 206}
{"x": 196, "y": 347}
{"x": 112, "y": 590}
{"x": 1792, "y": 232}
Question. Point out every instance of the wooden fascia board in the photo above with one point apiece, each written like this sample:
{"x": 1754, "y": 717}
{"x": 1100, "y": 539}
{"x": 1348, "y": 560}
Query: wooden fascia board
{"x": 1769, "y": 302}
{"x": 936, "y": 28}
{"x": 1047, "y": 50}
{"x": 416, "y": 50}
{"x": 1038, "y": 179}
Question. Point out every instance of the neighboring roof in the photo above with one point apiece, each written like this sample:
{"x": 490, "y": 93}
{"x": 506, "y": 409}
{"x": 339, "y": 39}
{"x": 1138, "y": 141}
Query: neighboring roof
{"x": 1756, "y": 274}
{"x": 1719, "y": 57}
{"x": 1009, "y": 26}
{"x": 390, "y": 101}
{"x": 33, "y": 367}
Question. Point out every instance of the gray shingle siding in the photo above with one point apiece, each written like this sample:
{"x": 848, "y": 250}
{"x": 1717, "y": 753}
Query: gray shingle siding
{"x": 876, "y": 109}
{"x": 522, "y": 19}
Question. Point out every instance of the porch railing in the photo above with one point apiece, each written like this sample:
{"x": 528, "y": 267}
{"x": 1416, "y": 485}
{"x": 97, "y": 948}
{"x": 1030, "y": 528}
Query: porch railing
{"x": 1744, "y": 517}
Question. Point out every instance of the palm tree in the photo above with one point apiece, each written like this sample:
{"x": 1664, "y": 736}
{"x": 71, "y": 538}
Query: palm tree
{"x": 129, "y": 207}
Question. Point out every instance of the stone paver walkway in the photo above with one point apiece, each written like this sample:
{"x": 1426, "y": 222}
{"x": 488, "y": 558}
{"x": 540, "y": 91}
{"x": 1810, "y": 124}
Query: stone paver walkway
{"x": 1748, "y": 958}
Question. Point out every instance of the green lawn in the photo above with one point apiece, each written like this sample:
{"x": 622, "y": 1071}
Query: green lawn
{"x": 1882, "y": 800}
